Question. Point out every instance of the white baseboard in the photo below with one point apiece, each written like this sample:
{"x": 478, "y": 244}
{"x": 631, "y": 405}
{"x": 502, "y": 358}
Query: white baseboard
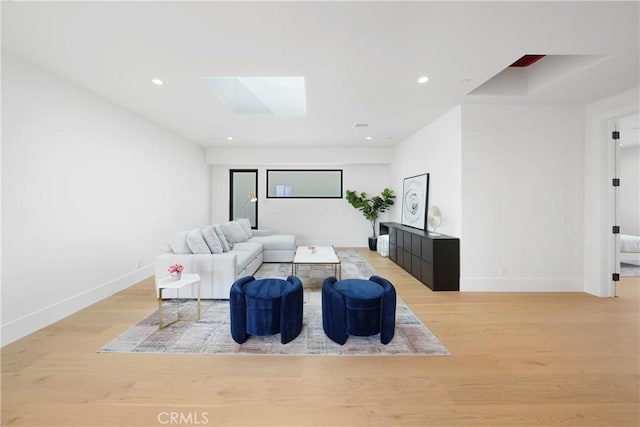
{"x": 361, "y": 243}
{"x": 16, "y": 329}
{"x": 520, "y": 284}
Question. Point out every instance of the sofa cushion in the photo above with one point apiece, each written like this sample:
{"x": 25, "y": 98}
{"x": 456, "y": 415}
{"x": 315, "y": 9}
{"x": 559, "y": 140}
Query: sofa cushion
{"x": 196, "y": 242}
{"x": 226, "y": 247}
{"x": 178, "y": 243}
{"x": 210, "y": 237}
{"x": 233, "y": 232}
{"x": 276, "y": 242}
{"x": 246, "y": 252}
{"x": 242, "y": 260}
{"x": 254, "y": 248}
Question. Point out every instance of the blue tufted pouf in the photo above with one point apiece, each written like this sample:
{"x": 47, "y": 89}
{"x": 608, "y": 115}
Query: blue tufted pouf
{"x": 358, "y": 307}
{"x": 362, "y": 298}
{"x": 263, "y": 306}
{"x": 266, "y": 307}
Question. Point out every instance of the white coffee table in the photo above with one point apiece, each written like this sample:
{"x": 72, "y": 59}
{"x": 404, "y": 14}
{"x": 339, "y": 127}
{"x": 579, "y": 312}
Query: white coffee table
{"x": 322, "y": 255}
{"x": 169, "y": 283}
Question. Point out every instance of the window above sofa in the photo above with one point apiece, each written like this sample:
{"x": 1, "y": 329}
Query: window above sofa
{"x": 304, "y": 183}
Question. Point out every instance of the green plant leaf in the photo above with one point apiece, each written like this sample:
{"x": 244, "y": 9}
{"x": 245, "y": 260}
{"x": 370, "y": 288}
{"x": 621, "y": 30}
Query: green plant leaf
{"x": 372, "y": 207}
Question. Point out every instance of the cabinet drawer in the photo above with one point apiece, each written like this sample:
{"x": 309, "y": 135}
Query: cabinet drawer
{"x": 406, "y": 260}
{"x": 427, "y": 250}
{"x": 406, "y": 241}
{"x": 416, "y": 245}
{"x": 392, "y": 253}
{"x": 426, "y": 274}
{"x": 393, "y": 236}
{"x": 416, "y": 267}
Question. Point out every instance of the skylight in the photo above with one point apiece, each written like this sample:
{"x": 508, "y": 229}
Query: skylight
{"x": 282, "y": 96}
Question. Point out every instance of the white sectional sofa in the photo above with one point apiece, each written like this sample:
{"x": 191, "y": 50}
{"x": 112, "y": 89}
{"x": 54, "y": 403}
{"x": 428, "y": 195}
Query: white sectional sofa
{"x": 222, "y": 259}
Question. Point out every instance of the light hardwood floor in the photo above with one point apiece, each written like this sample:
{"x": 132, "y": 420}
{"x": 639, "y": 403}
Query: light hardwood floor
{"x": 518, "y": 359}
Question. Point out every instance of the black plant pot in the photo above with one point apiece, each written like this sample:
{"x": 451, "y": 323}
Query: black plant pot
{"x": 373, "y": 243}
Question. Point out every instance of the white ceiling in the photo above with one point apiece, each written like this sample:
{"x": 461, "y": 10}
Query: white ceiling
{"x": 360, "y": 60}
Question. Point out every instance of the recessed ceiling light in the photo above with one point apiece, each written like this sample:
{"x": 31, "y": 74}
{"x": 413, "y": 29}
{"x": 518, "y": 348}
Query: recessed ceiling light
{"x": 360, "y": 125}
{"x": 368, "y": 138}
{"x": 157, "y": 82}
{"x": 229, "y": 138}
{"x": 422, "y": 80}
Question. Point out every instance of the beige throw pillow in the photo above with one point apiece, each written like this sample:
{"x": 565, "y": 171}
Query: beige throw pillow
{"x": 178, "y": 243}
{"x": 233, "y": 232}
{"x": 196, "y": 242}
{"x": 246, "y": 226}
{"x": 226, "y": 247}
{"x": 209, "y": 235}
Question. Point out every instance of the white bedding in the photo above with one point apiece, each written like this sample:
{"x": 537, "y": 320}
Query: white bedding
{"x": 629, "y": 243}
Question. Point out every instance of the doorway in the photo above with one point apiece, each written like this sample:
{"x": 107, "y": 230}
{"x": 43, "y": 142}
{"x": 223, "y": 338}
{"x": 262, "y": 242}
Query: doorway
{"x": 627, "y": 195}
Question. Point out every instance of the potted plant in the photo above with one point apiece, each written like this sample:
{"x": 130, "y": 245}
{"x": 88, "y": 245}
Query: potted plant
{"x": 371, "y": 208}
{"x": 176, "y": 271}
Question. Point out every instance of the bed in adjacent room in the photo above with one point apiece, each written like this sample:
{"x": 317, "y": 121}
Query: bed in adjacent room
{"x": 629, "y": 249}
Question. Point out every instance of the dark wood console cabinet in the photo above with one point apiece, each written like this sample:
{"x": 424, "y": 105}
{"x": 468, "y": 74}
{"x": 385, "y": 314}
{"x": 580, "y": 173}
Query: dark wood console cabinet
{"x": 434, "y": 260}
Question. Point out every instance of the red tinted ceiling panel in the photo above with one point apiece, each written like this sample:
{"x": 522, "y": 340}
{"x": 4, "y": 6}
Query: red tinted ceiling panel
{"x": 527, "y": 60}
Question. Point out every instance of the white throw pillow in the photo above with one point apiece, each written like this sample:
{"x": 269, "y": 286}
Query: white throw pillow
{"x": 226, "y": 247}
{"x": 246, "y": 226}
{"x": 196, "y": 242}
{"x": 233, "y": 232}
{"x": 209, "y": 235}
{"x": 178, "y": 243}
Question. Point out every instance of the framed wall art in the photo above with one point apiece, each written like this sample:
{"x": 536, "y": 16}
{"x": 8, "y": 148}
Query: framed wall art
{"x": 415, "y": 199}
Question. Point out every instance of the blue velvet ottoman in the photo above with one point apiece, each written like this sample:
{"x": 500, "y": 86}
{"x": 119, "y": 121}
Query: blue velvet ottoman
{"x": 358, "y": 307}
{"x": 266, "y": 307}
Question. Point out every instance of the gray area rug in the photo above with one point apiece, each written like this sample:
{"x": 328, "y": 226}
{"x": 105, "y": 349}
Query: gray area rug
{"x": 629, "y": 270}
{"x": 211, "y": 334}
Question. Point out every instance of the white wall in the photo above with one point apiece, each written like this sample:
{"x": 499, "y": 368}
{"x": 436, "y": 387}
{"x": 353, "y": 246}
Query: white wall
{"x": 90, "y": 193}
{"x": 598, "y": 202}
{"x": 629, "y": 216}
{"x": 522, "y": 198}
{"x": 435, "y": 149}
{"x": 313, "y": 221}
{"x": 310, "y": 157}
